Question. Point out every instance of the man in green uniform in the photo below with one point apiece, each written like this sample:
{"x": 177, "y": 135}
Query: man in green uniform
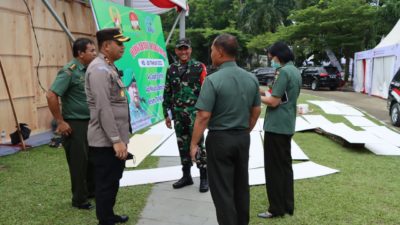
{"x": 229, "y": 104}
{"x": 72, "y": 121}
{"x": 182, "y": 88}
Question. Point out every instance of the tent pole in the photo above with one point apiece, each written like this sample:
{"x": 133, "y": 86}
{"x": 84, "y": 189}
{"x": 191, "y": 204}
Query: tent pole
{"x": 12, "y": 107}
{"x": 128, "y": 3}
{"x": 182, "y": 24}
{"x": 53, "y": 12}
{"x": 173, "y": 28}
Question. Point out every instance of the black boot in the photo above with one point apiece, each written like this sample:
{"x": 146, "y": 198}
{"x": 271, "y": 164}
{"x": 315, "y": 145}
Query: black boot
{"x": 185, "y": 180}
{"x": 203, "y": 180}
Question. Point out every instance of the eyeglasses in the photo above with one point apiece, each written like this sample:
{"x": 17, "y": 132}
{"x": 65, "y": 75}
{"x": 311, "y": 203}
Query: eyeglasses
{"x": 183, "y": 48}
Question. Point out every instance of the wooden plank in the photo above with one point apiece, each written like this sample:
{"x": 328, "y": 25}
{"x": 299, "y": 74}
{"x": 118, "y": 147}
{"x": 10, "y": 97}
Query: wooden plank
{"x": 44, "y": 119}
{"x": 15, "y": 34}
{"x": 13, "y": 5}
{"x": 79, "y": 18}
{"x": 25, "y": 110}
{"x": 19, "y": 54}
{"x": 46, "y": 77}
{"x": 41, "y": 15}
{"x": 18, "y": 72}
{"x": 53, "y": 48}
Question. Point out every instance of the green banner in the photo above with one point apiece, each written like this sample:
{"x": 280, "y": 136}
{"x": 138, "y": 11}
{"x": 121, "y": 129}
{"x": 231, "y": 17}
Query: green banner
{"x": 144, "y": 62}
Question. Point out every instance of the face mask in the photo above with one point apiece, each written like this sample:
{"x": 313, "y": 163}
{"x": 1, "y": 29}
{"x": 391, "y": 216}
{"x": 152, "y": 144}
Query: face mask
{"x": 275, "y": 64}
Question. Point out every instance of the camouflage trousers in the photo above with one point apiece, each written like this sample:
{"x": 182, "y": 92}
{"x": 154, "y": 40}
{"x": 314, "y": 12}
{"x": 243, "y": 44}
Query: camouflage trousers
{"x": 183, "y": 125}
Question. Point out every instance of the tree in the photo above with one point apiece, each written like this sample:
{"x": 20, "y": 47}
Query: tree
{"x": 344, "y": 26}
{"x": 260, "y": 16}
{"x": 389, "y": 14}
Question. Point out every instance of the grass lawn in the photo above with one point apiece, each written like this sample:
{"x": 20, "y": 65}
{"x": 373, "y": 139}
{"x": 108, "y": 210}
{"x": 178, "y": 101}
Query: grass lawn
{"x": 365, "y": 191}
{"x": 35, "y": 187}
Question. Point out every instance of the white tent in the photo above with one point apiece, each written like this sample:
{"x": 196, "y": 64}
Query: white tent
{"x": 375, "y": 68}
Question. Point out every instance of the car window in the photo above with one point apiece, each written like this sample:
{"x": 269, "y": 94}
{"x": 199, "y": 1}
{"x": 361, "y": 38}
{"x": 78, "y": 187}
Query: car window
{"x": 322, "y": 70}
{"x": 331, "y": 69}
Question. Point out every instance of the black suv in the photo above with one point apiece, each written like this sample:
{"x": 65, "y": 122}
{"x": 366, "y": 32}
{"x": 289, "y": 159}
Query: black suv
{"x": 393, "y": 101}
{"x": 316, "y": 77}
{"x": 265, "y": 75}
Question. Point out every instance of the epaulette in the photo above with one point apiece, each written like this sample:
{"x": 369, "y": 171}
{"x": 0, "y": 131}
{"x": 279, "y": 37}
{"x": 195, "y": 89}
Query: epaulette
{"x": 72, "y": 67}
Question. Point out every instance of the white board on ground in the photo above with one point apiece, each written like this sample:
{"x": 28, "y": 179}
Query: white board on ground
{"x": 318, "y": 121}
{"x": 168, "y": 148}
{"x": 141, "y": 145}
{"x": 259, "y": 125}
{"x": 353, "y": 136}
{"x": 383, "y": 148}
{"x": 256, "y": 153}
{"x": 360, "y": 121}
{"x": 386, "y": 134}
{"x": 156, "y": 175}
{"x": 300, "y": 171}
{"x": 297, "y": 153}
{"x": 327, "y": 107}
{"x": 160, "y": 128}
{"x": 302, "y": 125}
{"x": 336, "y": 108}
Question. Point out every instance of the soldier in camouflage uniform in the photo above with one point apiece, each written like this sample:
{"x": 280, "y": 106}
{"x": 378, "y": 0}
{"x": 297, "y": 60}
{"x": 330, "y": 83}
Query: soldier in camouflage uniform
{"x": 182, "y": 88}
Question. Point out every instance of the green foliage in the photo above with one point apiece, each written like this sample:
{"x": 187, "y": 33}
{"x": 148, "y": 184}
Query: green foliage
{"x": 389, "y": 14}
{"x": 202, "y": 39}
{"x": 257, "y": 17}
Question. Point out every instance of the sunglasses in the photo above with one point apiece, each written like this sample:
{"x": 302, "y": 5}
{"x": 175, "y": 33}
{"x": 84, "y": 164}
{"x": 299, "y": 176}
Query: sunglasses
{"x": 118, "y": 43}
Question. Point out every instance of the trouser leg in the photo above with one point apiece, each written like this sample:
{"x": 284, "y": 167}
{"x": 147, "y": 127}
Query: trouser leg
{"x": 242, "y": 189}
{"x": 278, "y": 173}
{"x": 108, "y": 171}
{"x": 230, "y": 194}
{"x": 76, "y": 151}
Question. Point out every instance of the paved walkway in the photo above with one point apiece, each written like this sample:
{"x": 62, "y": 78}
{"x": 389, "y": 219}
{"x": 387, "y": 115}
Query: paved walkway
{"x": 167, "y": 206}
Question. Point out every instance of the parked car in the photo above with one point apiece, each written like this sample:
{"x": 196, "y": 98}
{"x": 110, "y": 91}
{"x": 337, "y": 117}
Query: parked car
{"x": 265, "y": 75}
{"x": 393, "y": 101}
{"x": 321, "y": 76}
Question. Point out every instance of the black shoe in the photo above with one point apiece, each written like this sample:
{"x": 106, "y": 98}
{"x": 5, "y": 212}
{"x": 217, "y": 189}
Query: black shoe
{"x": 121, "y": 218}
{"x": 268, "y": 215}
{"x": 203, "y": 185}
{"x": 86, "y": 206}
{"x": 184, "y": 181}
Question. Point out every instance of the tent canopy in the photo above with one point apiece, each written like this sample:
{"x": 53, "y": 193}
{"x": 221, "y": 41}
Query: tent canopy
{"x": 392, "y": 38}
{"x": 375, "y": 68}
